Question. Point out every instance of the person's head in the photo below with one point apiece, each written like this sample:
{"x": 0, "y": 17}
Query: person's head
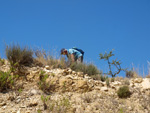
{"x": 63, "y": 51}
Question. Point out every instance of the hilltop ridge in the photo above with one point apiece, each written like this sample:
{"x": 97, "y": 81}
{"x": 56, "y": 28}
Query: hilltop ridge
{"x": 68, "y": 91}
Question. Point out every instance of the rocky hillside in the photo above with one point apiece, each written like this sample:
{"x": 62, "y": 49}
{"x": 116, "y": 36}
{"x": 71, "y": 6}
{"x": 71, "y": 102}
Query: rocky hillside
{"x": 67, "y": 91}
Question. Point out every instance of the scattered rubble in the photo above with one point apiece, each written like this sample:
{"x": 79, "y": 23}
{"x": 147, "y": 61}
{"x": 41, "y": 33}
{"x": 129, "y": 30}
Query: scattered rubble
{"x": 85, "y": 94}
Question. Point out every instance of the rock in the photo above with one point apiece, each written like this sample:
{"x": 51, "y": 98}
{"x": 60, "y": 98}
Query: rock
{"x": 33, "y": 92}
{"x": 81, "y": 83}
{"x": 97, "y": 88}
{"x": 116, "y": 83}
{"x": 138, "y": 80}
{"x": 33, "y": 103}
{"x": 113, "y": 87}
{"x": 18, "y": 99}
{"x": 69, "y": 77}
{"x": 65, "y": 82}
{"x": 146, "y": 83}
{"x": 74, "y": 73}
{"x": 67, "y": 71}
{"x": 2, "y": 104}
{"x": 47, "y": 67}
{"x": 80, "y": 74}
{"x": 104, "y": 89}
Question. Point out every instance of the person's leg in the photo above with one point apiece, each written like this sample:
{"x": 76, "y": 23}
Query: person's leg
{"x": 80, "y": 59}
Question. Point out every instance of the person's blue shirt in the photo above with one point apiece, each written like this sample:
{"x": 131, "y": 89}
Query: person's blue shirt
{"x": 76, "y": 53}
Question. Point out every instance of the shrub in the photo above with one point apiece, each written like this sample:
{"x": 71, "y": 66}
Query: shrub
{"x": 42, "y": 83}
{"x": 6, "y": 80}
{"x": 112, "y": 79}
{"x": 18, "y": 56}
{"x": 124, "y": 92}
{"x": 87, "y": 98}
{"x": 89, "y": 69}
{"x": 104, "y": 78}
{"x": 130, "y": 74}
{"x": 107, "y": 82}
{"x": 42, "y": 59}
{"x": 2, "y": 62}
{"x": 56, "y": 63}
{"x": 113, "y": 63}
{"x": 148, "y": 76}
{"x": 61, "y": 105}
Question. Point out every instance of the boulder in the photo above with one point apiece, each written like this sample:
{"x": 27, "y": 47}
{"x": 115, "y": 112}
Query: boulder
{"x": 104, "y": 89}
{"x": 81, "y": 83}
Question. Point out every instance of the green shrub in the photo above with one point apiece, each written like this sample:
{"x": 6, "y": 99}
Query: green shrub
{"x": 6, "y": 80}
{"x": 61, "y": 105}
{"x": 89, "y": 69}
{"x": 103, "y": 78}
{"x": 107, "y": 82}
{"x": 42, "y": 83}
{"x": 112, "y": 79}
{"x": 2, "y": 62}
{"x": 18, "y": 56}
{"x": 123, "y": 92}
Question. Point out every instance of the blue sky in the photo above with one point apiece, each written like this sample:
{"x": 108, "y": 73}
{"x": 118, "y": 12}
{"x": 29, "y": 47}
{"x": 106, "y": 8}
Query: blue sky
{"x": 95, "y": 26}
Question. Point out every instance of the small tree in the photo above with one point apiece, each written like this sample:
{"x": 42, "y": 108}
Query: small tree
{"x": 114, "y": 63}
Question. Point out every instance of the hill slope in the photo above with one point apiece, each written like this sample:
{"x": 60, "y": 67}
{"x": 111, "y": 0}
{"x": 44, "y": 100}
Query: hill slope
{"x": 67, "y": 91}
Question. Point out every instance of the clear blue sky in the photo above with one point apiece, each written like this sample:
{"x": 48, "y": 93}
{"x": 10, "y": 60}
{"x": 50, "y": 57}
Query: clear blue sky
{"x": 93, "y": 25}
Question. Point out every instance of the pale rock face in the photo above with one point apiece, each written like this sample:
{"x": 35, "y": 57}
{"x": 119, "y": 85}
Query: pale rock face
{"x": 138, "y": 80}
{"x": 80, "y": 74}
{"x": 65, "y": 82}
{"x": 116, "y": 83}
{"x": 81, "y": 83}
{"x": 104, "y": 89}
{"x": 73, "y": 85}
{"x": 146, "y": 83}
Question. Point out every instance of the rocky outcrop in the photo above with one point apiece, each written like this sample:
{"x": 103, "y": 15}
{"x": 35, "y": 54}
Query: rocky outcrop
{"x": 79, "y": 92}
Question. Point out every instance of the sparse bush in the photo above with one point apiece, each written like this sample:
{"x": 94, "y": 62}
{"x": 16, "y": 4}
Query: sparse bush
{"x": 126, "y": 81}
{"x": 61, "y": 105}
{"x": 148, "y": 76}
{"x": 44, "y": 100}
{"x": 107, "y": 82}
{"x": 89, "y": 69}
{"x": 7, "y": 81}
{"x": 42, "y": 59}
{"x": 96, "y": 77}
{"x": 130, "y": 74}
{"x": 112, "y": 79}
{"x": 124, "y": 92}
{"x": 104, "y": 78}
{"x": 87, "y": 98}
{"x": 114, "y": 63}
{"x": 18, "y": 56}
{"x": 57, "y": 63}
{"x": 2, "y": 62}
{"x": 42, "y": 83}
